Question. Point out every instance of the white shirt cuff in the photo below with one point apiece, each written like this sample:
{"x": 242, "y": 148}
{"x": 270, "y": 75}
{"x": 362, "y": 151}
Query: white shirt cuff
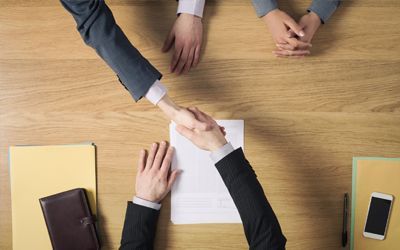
{"x": 156, "y": 92}
{"x": 220, "y": 153}
{"x": 194, "y": 7}
{"x": 146, "y": 203}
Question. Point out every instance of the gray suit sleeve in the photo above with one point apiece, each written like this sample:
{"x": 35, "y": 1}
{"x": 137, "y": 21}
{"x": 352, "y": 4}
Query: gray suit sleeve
{"x": 262, "y": 7}
{"x": 324, "y": 8}
{"x": 97, "y": 27}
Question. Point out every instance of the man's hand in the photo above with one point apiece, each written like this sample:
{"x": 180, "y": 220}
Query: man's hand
{"x": 279, "y": 24}
{"x": 187, "y": 34}
{"x": 154, "y": 178}
{"x": 310, "y": 23}
{"x": 181, "y": 115}
{"x": 210, "y": 140}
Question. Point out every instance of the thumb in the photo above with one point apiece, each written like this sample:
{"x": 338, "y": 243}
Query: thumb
{"x": 295, "y": 27}
{"x": 184, "y": 131}
{"x": 172, "y": 177}
{"x": 169, "y": 41}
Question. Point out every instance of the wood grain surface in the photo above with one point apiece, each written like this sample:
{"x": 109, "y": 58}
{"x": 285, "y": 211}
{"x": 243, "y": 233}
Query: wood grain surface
{"x": 304, "y": 119}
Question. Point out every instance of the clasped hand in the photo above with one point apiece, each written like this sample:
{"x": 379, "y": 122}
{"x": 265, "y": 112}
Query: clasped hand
{"x": 292, "y": 39}
{"x": 154, "y": 177}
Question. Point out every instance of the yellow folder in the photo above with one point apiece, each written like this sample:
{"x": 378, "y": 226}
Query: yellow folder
{"x": 39, "y": 171}
{"x": 382, "y": 175}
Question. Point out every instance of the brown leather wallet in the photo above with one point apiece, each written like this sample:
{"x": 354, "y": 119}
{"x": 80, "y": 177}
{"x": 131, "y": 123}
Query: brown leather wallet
{"x": 69, "y": 220}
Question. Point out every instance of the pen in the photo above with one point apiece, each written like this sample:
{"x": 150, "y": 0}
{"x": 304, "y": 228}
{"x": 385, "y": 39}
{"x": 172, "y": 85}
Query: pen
{"x": 344, "y": 230}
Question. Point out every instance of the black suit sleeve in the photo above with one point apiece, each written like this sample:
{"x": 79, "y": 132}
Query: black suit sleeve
{"x": 139, "y": 227}
{"x": 97, "y": 27}
{"x": 260, "y": 224}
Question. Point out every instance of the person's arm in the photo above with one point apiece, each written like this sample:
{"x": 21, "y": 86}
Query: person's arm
{"x": 260, "y": 224}
{"x": 153, "y": 182}
{"x": 139, "y": 227}
{"x": 186, "y": 36}
{"x": 324, "y": 8}
{"x": 97, "y": 27}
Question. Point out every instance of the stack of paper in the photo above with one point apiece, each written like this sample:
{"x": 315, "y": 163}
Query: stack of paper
{"x": 200, "y": 195}
{"x": 39, "y": 171}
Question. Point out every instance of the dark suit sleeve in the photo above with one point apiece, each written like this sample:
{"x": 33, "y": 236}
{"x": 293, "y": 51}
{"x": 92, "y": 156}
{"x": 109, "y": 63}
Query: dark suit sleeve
{"x": 139, "y": 227}
{"x": 97, "y": 27}
{"x": 260, "y": 224}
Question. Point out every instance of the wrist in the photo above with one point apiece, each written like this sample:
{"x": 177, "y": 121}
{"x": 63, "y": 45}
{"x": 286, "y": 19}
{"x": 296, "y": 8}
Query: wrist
{"x": 314, "y": 17}
{"x": 218, "y": 144}
{"x": 147, "y": 198}
{"x": 270, "y": 15}
{"x": 168, "y": 106}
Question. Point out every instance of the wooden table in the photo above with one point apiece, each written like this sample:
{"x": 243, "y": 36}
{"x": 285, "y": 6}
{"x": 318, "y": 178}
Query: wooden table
{"x": 304, "y": 119}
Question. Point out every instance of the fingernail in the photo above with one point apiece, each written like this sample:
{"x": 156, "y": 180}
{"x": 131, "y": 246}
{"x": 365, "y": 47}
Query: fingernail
{"x": 163, "y": 143}
{"x": 154, "y": 145}
{"x": 301, "y": 33}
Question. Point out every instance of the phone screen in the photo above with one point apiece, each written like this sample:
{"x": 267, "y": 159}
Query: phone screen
{"x": 378, "y": 215}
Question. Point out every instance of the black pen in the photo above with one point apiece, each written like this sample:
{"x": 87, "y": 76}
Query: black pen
{"x": 344, "y": 230}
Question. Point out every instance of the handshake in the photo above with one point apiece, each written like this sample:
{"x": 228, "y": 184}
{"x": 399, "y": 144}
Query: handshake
{"x": 292, "y": 39}
{"x": 154, "y": 178}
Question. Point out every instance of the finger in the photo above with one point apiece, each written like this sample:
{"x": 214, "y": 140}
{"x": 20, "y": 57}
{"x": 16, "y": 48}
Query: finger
{"x": 291, "y": 52}
{"x": 202, "y": 120}
{"x": 166, "y": 164}
{"x": 169, "y": 41}
{"x": 294, "y": 27}
{"x": 297, "y": 44}
{"x": 142, "y": 161}
{"x": 159, "y": 156}
{"x": 184, "y": 131}
{"x": 152, "y": 154}
{"x": 284, "y": 46}
{"x": 222, "y": 130}
{"x": 189, "y": 61}
{"x": 182, "y": 60}
{"x": 172, "y": 178}
{"x": 196, "y": 56}
{"x": 206, "y": 122}
{"x": 199, "y": 115}
{"x": 207, "y": 118}
{"x": 291, "y": 33}
{"x": 175, "y": 58}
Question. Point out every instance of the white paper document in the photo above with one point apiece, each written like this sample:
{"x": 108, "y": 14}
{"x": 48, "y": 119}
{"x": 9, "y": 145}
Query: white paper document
{"x": 199, "y": 194}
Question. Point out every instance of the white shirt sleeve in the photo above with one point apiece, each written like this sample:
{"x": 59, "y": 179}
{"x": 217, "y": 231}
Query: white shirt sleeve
{"x": 146, "y": 203}
{"x": 220, "y": 153}
{"x": 194, "y": 7}
{"x": 156, "y": 92}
